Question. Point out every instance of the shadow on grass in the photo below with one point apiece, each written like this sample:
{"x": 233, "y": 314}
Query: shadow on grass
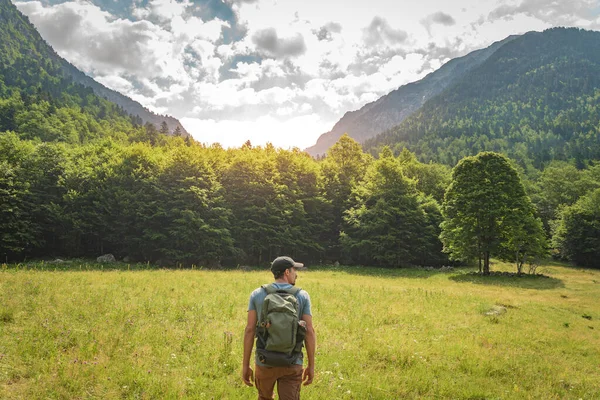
{"x": 525, "y": 281}
{"x": 457, "y": 274}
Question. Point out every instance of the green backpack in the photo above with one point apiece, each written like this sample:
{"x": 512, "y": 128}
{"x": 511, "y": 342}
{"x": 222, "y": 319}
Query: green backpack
{"x": 279, "y": 334}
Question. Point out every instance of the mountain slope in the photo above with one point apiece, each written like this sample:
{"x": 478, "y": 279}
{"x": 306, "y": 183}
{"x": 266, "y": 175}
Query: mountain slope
{"x": 38, "y": 101}
{"x": 391, "y": 109}
{"x": 27, "y": 60}
{"x": 537, "y": 98}
{"x": 130, "y": 106}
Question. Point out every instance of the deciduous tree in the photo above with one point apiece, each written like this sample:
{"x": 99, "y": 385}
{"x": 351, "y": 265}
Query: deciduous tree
{"x": 343, "y": 169}
{"x": 479, "y": 205}
{"x": 577, "y": 232}
{"x": 388, "y": 225}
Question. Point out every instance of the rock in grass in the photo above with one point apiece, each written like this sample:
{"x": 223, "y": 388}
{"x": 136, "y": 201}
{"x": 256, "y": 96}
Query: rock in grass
{"x": 106, "y": 258}
{"x": 496, "y": 310}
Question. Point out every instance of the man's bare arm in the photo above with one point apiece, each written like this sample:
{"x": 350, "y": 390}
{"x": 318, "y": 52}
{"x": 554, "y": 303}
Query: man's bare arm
{"x": 311, "y": 343}
{"x": 247, "y": 372}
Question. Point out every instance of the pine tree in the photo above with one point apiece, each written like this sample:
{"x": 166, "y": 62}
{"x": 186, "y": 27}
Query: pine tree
{"x": 164, "y": 128}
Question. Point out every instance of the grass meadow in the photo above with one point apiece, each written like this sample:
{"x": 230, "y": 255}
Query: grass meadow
{"x": 80, "y": 331}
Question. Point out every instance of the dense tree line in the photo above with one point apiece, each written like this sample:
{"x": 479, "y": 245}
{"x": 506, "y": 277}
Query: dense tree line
{"x": 179, "y": 202}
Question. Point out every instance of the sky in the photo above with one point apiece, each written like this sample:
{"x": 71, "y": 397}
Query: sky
{"x": 278, "y": 71}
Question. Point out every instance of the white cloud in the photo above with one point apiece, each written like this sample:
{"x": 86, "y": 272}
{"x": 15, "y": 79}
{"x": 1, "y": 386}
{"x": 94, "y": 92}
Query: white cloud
{"x": 249, "y": 72}
{"x": 379, "y": 32}
{"x": 439, "y": 18}
{"x": 267, "y": 41}
{"x": 194, "y": 27}
{"x": 553, "y": 12}
{"x": 327, "y": 31}
{"x": 162, "y": 10}
{"x": 95, "y": 41}
{"x": 116, "y": 83}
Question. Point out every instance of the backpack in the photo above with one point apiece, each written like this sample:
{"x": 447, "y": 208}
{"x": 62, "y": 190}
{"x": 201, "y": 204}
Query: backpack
{"x": 279, "y": 335}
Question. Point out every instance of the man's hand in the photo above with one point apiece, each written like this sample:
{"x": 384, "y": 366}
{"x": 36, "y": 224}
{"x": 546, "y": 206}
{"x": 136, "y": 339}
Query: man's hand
{"x": 247, "y": 375}
{"x": 308, "y": 375}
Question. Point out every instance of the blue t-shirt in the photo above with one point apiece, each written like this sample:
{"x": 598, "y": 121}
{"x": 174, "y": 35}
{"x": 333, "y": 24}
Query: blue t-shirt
{"x": 257, "y": 297}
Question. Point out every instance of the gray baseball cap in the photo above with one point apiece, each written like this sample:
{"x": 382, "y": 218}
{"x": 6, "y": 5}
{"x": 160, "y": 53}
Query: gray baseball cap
{"x": 282, "y": 263}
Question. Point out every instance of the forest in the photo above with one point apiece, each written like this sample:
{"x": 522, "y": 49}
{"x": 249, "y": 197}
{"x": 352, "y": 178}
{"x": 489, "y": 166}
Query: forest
{"x": 181, "y": 203}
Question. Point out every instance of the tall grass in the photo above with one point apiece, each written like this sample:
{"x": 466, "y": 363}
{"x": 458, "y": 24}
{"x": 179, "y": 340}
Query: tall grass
{"x": 91, "y": 333}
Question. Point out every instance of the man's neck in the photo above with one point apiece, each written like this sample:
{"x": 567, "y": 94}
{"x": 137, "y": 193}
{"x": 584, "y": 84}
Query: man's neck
{"x": 281, "y": 281}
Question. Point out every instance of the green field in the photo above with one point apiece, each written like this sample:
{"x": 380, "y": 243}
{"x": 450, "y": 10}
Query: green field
{"x": 79, "y": 332}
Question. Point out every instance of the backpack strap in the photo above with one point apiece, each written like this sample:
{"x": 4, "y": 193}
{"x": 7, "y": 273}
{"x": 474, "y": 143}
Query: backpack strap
{"x": 270, "y": 289}
{"x": 294, "y": 290}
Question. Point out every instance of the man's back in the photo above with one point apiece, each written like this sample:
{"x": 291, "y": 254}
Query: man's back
{"x": 257, "y": 299}
{"x": 290, "y": 376}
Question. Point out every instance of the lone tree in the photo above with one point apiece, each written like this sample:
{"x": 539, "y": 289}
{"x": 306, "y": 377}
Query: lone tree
{"x": 484, "y": 210}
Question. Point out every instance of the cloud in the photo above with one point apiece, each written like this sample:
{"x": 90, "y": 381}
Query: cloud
{"x": 116, "y": 82}
{"x": 193, "y": 27}
{"x": 439, "y": 18}
{"x": 280, "y": 74}
{"x": 267, "y": 41}
{"x": 554, "y": 12}
{"x": 449, "y": 50}
{"x": 442, "y": 19}
{"x": 380, "y": 32}
{"x": 93, "y": 40}
{"x": 325, "y": 32}
{"x": 162, "y": 10}
{"x": 183, "y": 49}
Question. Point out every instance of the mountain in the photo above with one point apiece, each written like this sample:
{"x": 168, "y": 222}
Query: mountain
{"x": 391, "y": 109}
{"x": 28, "y": 64}
{"x": 130, "y": 106}
{"x": 536, "y": 99}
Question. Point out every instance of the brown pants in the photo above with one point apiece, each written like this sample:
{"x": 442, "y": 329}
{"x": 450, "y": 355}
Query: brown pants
{"x": 289, "y": 380}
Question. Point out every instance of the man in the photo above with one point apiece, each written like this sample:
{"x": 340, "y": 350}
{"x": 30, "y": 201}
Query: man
{"x": 288, "y": 378}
